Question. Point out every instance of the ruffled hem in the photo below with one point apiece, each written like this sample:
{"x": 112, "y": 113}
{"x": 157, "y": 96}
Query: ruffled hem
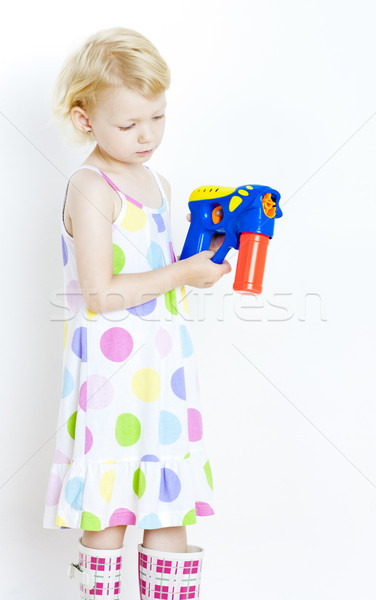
{"x": 148, "y": 494}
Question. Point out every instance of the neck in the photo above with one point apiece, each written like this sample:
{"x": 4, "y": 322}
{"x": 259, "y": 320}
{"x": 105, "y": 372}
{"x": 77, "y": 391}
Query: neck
{"x": 117, "y": 166}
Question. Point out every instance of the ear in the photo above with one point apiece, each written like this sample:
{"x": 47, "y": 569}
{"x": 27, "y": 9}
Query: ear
{"x": 80, "y": 119}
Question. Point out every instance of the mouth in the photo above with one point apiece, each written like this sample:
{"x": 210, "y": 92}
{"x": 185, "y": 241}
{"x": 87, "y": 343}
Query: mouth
{"x": 145, "y": 152}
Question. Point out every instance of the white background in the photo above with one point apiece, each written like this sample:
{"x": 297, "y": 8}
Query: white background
{"x": 278, "y": 92}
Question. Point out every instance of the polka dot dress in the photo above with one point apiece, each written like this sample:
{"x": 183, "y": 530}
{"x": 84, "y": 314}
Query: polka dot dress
{"x": 129, "y": 442}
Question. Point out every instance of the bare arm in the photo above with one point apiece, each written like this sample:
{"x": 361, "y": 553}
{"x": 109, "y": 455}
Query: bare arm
{"x": 90, "y": 209}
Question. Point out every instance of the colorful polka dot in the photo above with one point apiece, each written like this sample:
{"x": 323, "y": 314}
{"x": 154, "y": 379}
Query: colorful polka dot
{"x": 208, "y": 474}
{"x": 116, "y": 344}
{"x": 118, "y": 259}
{"x": 68, "y": 383}
{"x": 150, "y": 458}
{"x": 186, "y": 342}
{"x": 194, "y": 425}
{"x": 53, "y": 490}
{"x": 146, "y": 384}
{"x": 155, "y": 256}
{"x": 171, "y": 302}
{"x": 74, "y": 296}
{"x": 163, "y": 342}
{"x": 184, "y": 300}
{"x": 190, "y": 518}
{"x": 60, "y": 458}
{"x": 90, "y": 522}
{"x": 64, "y": 250}
{"x": 88, "y": 440}
{"x": 106, "y": 485}
{"x": 127, "y": 429}
{"x": 71, "y": 425}
{"x": 139, "y": 483}
{"x": 122, "y": 516}
{"x": 79, "y": 343}
{"x": 159, "y": 222}
{"x": 203, "y": 509}
{"x": 178, "y": 383}
{"x": 170, "y": 485}
{"x": 169, "y": 427}
{"x": 96, "y": 393}
{"x": 65, "y": 334}
{"x": 134, "y": 219}
{"x": 73, "y": 492}
{"x": 151, "y": 521}
{"x": 142, "y": 310}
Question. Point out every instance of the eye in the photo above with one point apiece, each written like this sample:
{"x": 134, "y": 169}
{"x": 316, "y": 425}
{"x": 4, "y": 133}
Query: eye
{"x": 126, "y": 128}
{"x": 159, "y": 117}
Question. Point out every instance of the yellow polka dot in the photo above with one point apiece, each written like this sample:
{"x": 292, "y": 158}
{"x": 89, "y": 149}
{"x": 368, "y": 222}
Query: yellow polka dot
{"x": 65, "y": 334}
{"x": 243, "y": 192}
{"x": 249, "y": 187}
{"x": 234, "y": 203}
{"x": 90, "y": 314}
{"x": 146, "y": 384}
{"x": 134, "y": 219}
{"x": 184, "y": 300}
{"x": 106, "y": 485}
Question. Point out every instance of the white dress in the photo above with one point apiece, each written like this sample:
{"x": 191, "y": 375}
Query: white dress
{"x": 129, "y": 443}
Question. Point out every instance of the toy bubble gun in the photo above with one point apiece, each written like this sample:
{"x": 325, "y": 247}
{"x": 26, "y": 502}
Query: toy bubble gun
{"x": 246, "y": 216}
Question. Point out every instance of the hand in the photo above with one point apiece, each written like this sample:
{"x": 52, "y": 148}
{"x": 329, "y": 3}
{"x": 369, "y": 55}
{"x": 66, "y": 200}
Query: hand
{"x": 217, "y": 239}
{"x": 201, "y": 271}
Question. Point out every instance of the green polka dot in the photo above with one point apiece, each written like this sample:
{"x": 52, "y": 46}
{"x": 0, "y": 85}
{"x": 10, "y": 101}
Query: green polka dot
{"x": 71, "y": 425}
{"x": 208, "y": 473}
{"x": 190, "y": 518}
{"x": 90, "y": 522}
{"x": 119, "y": 259}
{"x": 139, "y": 483}
{"x": 170, "y": 301}
{"x": 187, "y": 455}
{"x": 127, "y": 429}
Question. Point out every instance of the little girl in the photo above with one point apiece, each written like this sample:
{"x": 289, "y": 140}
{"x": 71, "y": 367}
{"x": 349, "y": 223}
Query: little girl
{"x": 129, "y": 446}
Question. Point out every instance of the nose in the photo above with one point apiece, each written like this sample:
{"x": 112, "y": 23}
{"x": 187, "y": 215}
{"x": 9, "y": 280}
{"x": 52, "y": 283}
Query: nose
{"x": 144, "y": 135}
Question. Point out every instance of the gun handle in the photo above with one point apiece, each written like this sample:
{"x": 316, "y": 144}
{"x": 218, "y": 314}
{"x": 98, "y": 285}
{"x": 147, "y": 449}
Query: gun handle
{"x": 197, "y": 240}
{"x": 251, "y": 263}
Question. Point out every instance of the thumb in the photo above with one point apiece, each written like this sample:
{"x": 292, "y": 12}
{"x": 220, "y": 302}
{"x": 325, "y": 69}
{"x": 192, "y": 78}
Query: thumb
{"x": 226, "y": 266}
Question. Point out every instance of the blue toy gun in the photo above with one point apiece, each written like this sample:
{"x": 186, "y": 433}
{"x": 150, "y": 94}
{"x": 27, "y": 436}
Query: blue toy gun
{"x": 246, "y": 216}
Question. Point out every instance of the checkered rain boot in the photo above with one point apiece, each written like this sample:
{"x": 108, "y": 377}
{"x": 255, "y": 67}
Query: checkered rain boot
{"x": 98, "y": 572}
{"x": 169, "y": 575}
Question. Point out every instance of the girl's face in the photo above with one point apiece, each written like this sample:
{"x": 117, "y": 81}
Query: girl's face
{"x": 125, "y": 124}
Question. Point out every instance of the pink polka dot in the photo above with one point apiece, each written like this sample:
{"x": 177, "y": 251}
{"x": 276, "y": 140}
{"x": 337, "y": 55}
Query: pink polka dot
{"x": 61, "y": 458}
{"x": 194, "y": 425}
{"x": 83, "y": 396}
{"x": 122, "y": 516}
{"x": 203, "y": 509}
{"x": 88, "y": 440}
{"x": 97, "y": 392}
{"x": 74, "y": 296}
{"x": 54, "y": 489}
{"x": 116, "y": 344}
{"x": 163, "y": 342}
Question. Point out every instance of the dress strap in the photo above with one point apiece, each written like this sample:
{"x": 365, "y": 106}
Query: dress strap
{"x": 100, "y": 172}
{"x": 159, "y": 183}
{"x": 112, "y": 184}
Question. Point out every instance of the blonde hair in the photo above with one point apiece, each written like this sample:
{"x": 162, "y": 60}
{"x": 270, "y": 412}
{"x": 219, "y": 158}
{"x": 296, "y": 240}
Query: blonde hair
{"x": 109, "y": 58}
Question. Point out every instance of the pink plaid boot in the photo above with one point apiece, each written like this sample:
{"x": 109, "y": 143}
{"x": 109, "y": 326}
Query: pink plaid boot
{"x": 98, "y": 572}
{"x": 169, "y": 575}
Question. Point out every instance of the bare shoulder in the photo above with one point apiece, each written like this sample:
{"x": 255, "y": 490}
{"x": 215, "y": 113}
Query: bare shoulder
{"x": 166, "y": 187}
{"x": 90, "y": 187}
